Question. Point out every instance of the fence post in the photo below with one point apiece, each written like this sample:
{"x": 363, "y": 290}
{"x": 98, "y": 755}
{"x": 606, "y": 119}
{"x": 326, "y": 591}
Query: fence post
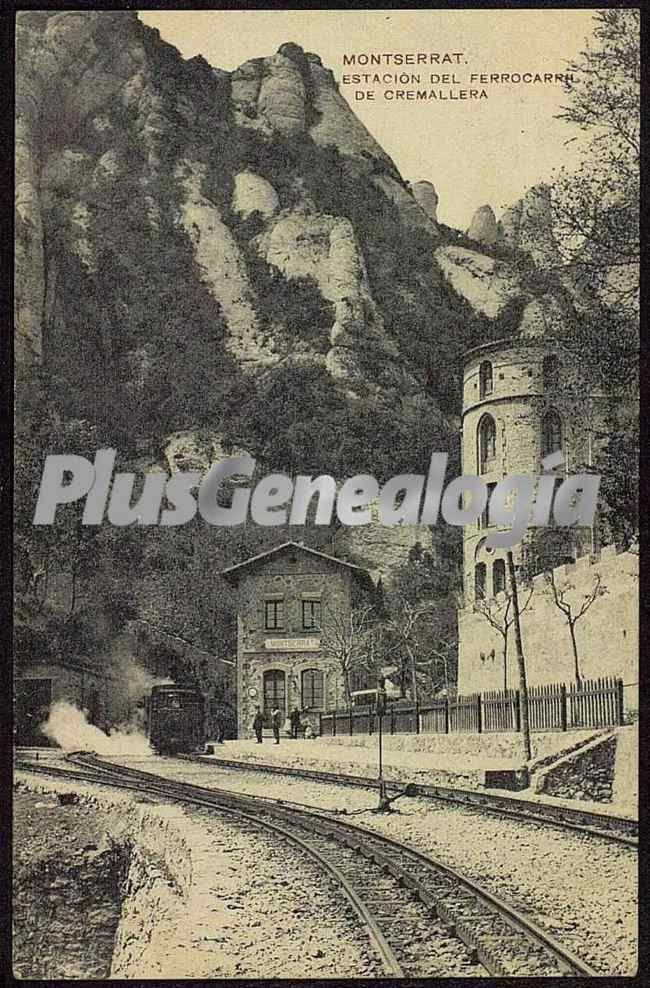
{"x": 517, "y": 711}
{"x": 620, "y": 711}
{"x": 417, "y": 717}
{"x": 392, "y": 719}
{"x": 563, "y": 710}
{"x": 334, "y": 723}
{"x": 446, "y": 708}
{"x": 351, "y": 722}
{"x": 320, "y": 725}
{"x": 479, "y": 718}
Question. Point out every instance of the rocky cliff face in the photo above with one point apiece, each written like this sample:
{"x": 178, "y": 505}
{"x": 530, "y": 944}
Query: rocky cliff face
{"x": 188, "y": 237}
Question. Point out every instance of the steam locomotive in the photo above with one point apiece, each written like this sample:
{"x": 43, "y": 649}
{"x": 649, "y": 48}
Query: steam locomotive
{"x": 176, "y": 716}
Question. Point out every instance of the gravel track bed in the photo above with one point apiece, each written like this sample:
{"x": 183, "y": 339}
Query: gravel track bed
{"x": 280, "y": 916}
{"x": 257, "y": 908}
{"x": 580, "y": 889}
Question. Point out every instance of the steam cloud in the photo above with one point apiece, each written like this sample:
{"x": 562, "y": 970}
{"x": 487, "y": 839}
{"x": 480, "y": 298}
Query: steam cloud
{"x": 128, "y": 683}
{"x": 69, "y": 728}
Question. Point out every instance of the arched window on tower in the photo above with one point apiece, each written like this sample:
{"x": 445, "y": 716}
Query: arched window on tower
{"x": 498, "y": 576}
{"x": 551, "y": 433}
{"x": 480, "y": 579}
{"x": 487, "y": 443}
{"x": 485, "y": 379}
{"x": 550, "y": 372}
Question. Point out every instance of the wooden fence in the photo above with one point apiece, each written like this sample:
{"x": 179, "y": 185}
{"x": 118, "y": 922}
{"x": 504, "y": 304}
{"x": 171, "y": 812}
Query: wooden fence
{"x": 551, "y": 707}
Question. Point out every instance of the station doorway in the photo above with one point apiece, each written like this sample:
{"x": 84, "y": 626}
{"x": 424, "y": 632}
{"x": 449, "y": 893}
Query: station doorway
{"x": 33, "y": 700}
{"x": 275, "y": 692}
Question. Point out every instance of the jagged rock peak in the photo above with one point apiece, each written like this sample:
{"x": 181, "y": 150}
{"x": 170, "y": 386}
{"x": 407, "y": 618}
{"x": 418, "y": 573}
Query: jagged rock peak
{"x": 528, "y": 225}
{"x": 483, "y": 227}
{"x": 425, "y": 194}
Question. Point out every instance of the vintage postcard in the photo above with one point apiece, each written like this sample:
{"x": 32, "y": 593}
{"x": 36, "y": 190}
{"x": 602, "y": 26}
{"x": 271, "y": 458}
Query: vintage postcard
{"x": 326, "y": 493}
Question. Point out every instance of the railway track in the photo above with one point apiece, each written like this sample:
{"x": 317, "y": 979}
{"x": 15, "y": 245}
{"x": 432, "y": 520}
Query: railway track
{"x": 620, "y": 830}
{"x": 419, "y": 917}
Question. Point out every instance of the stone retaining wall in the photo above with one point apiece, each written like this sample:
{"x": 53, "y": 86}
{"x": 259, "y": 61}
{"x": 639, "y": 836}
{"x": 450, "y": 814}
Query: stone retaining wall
{"x": 586, "y": 774}
{"x": 502, "y": 746}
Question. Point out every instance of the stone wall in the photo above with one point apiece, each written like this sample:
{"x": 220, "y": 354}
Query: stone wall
{"x": 474, "y": 746}
{"x": 72, "y": 684}
{"x": 607, "y": 635}
{"x": 586, "y": 774}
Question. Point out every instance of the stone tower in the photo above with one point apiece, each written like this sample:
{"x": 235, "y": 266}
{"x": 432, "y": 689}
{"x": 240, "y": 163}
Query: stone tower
{"x": 522, "y": 401}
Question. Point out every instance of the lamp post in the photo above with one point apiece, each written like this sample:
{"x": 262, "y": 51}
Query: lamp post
{"x": 380, "y": 709}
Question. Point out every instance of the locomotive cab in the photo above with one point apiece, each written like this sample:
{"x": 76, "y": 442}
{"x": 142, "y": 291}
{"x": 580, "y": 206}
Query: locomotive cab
{"x": 176, "y": 719}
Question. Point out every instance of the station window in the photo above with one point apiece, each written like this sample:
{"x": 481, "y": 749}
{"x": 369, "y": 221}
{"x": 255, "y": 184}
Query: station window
{"x": 312, "y": 689}
{"x": 310, "y": 615}
{"x": 273, "y": 615}
{"x": 485, "y": 378}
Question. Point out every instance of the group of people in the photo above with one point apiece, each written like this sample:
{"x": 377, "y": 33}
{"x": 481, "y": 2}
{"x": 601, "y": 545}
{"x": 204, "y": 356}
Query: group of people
{"x": 276, "y": 723}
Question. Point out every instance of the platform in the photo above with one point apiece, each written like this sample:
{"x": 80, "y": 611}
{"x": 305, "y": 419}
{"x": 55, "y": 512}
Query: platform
{"x": 357, "y": 760}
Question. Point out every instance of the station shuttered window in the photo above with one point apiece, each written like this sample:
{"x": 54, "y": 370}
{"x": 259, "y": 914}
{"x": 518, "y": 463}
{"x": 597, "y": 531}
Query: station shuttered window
{"x": 498, "y": 576}
{"x": 273, "y": 615}
{"x": 487, "y": 443}
{"x": 551, "y": 433}
{"x": 312, "y": 689}
{"x": 485, "y": 379}
{"x": 310, "y": 615}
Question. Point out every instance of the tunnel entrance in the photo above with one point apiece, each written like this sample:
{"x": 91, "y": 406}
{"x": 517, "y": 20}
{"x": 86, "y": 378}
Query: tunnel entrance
{"x": 33, "y": 699}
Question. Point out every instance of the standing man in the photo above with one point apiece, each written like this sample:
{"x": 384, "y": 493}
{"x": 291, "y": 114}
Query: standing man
{"x": 258, "y": 724}
{"x": 294, "y": 718}
{"x": 275, "y": 723}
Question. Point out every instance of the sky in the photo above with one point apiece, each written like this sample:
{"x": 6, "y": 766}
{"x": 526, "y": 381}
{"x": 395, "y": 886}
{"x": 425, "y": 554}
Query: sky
{"x": 475, "y": 152}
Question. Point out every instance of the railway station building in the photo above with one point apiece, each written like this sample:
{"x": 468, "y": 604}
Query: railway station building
{"x": 286, "y": 596}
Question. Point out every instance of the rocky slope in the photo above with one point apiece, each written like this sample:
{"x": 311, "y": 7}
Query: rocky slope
{"x": 210, "y": 261}
{"x": 182, "y": 230}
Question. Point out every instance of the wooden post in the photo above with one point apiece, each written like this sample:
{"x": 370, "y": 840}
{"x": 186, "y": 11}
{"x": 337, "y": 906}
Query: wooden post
{"x": 351, "y": 722}
{"x": 334, "y": 723}
{"x": 417, "y": 717}
{"x": 563, "y": 711}
{"x": 521, "y": 662}
{"x": 621, "y": 702}
{"x": 517, "y": 711}
{"x": 320, "y": 725}
{"x": 446, "y": 715}
{"x": 392, "y": 719}
{"x": 479, "y": 719}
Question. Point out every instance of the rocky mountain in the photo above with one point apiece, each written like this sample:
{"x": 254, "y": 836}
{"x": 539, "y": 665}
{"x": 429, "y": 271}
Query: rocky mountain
{"x": 233, "y": 255}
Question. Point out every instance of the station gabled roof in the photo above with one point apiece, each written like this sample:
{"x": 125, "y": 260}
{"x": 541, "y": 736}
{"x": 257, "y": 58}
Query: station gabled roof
{"x": 232, "y": 573}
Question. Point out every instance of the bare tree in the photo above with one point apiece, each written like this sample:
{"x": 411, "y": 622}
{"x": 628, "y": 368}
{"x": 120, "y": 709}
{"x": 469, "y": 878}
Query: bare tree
{"x": 573, "y": 612}
{"x": 500, "y": 615}
{"x": 347, "y": 634}
{"x": 402, "y": 638}
{"x": 421, "y": 636}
